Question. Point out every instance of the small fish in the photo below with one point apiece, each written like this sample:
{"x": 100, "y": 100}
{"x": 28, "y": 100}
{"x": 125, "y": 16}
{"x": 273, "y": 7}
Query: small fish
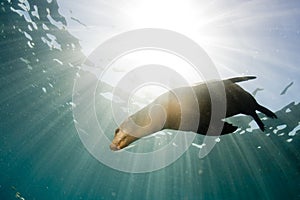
{"x": 286, "y": 88}
{"x": 78, "y": 21}
{"x": 256, "y": 90}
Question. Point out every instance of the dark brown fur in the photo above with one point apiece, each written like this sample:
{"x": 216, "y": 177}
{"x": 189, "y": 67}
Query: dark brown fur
{"x": 238, "y": 101}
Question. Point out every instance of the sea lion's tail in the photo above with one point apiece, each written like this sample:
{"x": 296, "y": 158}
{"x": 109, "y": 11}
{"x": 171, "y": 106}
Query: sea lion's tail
{"x": 240, "y": 79}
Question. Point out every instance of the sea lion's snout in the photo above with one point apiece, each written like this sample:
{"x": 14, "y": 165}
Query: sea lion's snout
{"x": 121, "y": 140}
{"x": 114, "y": 147}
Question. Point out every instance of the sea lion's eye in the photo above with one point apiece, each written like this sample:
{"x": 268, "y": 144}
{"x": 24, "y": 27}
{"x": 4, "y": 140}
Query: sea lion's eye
{"x": 116, "y": 131}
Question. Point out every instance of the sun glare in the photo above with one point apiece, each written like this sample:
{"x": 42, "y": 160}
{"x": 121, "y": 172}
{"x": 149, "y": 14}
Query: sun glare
{"x": 140, "y": 58}
{"x": 200, "y": 21}
{"x": 168, "y": 14}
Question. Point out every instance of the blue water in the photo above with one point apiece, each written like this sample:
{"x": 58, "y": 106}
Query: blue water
{"x": 42, "y": 157}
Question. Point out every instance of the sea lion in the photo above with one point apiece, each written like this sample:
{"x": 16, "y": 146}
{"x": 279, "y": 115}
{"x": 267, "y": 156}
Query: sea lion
{"x": 238, "y": 101}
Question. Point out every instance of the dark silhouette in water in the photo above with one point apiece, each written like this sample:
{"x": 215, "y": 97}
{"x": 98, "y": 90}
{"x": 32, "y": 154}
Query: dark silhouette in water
{"x": 256, "y": 90}
{"x": 78, "y": 21}
{"x": 238, "y": 101}
{"x": 286, "y": 88}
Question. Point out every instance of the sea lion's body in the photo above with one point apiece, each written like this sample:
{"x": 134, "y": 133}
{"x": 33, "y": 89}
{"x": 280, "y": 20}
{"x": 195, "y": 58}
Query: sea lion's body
{"x": 238, "y": 101}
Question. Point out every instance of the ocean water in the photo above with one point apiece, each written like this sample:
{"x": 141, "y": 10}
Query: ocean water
{"x": 42, "y": 157}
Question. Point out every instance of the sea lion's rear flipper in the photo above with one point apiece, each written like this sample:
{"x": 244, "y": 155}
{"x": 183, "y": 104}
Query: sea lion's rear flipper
{"x": 258, "y": 121}
{"x": 240, "y": 79}
{"x": 266, "y": 111}
{"x": 228, "y": 128}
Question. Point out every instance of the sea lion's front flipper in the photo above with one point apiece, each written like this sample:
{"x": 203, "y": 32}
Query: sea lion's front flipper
{"x": 228, "y": 128}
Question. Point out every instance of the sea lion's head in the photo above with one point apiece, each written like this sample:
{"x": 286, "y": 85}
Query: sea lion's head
{"x": 121, "y": 140}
